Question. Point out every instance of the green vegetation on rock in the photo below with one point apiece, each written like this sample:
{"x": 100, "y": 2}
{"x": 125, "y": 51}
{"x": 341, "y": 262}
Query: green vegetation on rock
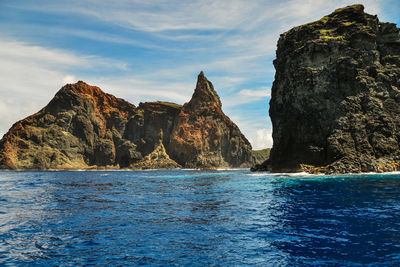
{"x": 261, "y": 155}
{"x": 170, "y": 104}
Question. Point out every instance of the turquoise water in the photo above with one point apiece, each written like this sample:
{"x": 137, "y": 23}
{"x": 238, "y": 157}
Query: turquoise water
{"x": 187, "y": 217}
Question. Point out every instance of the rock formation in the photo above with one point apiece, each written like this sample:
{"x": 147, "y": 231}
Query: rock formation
{"x": 203, "y": 136}
{"x": 261, "y": 155}
{"x": 83, "y": 127}
{"x": 158, "y": 159}
{"x": 335, "y": 103}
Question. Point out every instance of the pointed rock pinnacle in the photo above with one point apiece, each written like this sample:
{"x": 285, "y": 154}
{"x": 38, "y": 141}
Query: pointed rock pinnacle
{"x": 204, "y": 93}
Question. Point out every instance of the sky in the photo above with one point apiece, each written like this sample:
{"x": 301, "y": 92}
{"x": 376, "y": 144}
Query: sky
{"x": 142, "y": 50}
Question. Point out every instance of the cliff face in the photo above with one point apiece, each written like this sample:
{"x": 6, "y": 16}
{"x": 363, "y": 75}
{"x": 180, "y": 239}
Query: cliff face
{"x": 335, "y": 99}
{"x": 83, "y": 127}
{"x": 80, "y": 127}
{"x": 204, "y": 136}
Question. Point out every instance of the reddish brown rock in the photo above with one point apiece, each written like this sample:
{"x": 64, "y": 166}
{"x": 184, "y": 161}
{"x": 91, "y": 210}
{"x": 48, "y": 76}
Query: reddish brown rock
{"x": 203, "y": 136}
{"x": 80, "y": 127}
{"x": 83, "y": 127}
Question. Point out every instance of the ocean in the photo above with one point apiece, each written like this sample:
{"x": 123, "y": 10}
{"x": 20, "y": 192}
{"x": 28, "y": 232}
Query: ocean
{"x": 197, "y": 218}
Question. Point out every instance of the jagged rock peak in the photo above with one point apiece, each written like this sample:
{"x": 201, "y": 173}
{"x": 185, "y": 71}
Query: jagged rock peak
{"x": 204, "y": 94}
{"x": 204, "y": 137}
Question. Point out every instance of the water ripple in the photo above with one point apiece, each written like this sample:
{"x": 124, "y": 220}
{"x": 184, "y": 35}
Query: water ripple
{"x": 189, "y": 217}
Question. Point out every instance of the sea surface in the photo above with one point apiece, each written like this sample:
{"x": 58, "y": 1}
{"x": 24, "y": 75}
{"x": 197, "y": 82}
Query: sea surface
{"x": 197, "y": 218}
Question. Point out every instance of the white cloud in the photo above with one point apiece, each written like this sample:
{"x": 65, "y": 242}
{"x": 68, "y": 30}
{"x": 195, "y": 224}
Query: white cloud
{"x": 264, "y": 92}
{"x": 246, "y": 96}
{"x": 103, "y": 37}
{"x": 139, "y": 89}
{"x": 156, "y": 16}
{"x": 263, "y": 139}
{"x": 69, "y": 79}
{"x": 12, "y": 110}
{"x": 257, "y": 130}
{"x": 24, "y": 53}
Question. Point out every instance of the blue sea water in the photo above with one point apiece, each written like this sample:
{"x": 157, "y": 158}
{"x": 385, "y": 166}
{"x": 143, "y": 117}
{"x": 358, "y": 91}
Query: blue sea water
{"x": 189, "y": 217}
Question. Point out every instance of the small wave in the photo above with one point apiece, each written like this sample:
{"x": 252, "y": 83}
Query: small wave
{"x": 297, "y": 174}
{"x": 259, "y": 174}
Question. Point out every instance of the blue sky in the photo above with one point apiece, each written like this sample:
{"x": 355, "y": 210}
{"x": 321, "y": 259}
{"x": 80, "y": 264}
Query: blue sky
{"x": 153, "y": 50}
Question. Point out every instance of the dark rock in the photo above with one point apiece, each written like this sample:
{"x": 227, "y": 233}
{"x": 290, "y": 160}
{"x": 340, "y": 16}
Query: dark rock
{"x": 83, "y": 127}
{"x": 335, "y": 99}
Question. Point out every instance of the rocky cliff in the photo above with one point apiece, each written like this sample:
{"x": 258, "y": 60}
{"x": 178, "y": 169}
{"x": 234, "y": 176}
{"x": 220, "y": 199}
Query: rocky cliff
{"x": 83, "y": 127}
{"x": 335, "y": 102}
{"x": 203, "y": 136}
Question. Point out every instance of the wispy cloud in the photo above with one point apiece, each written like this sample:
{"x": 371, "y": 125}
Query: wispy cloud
{"x": 23, "y": 53}
{"x": 157, "y": 16}
{"x": 246, "y": 96}
{"x": 264, "y": 92}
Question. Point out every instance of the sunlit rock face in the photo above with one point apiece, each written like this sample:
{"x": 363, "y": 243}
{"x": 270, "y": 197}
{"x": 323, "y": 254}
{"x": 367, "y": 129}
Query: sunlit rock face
{"x": 335, "y": 99}
{"x": 83, "y": 127}
{"x": 203, "y": 136}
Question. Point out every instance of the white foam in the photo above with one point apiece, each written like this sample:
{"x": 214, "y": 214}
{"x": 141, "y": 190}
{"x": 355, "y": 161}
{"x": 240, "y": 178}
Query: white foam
{"x": 287, "y": 174}
{"x": 305, "y": 174}
{"x": 259, "y": 174}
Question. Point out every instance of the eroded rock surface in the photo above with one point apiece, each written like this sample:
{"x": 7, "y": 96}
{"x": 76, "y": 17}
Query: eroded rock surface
{"x": 157, "y": 159}
{"x": 83, "y": 127}
{"x": 335, "y": 103}
{"x": 204, "y": 136}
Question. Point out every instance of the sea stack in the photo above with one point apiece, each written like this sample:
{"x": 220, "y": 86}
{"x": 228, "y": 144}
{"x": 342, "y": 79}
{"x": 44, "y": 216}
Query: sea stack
{"x": 83, "y": 127}
{"x": 335, "y": 101}
{"x": 203, "y": 136}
